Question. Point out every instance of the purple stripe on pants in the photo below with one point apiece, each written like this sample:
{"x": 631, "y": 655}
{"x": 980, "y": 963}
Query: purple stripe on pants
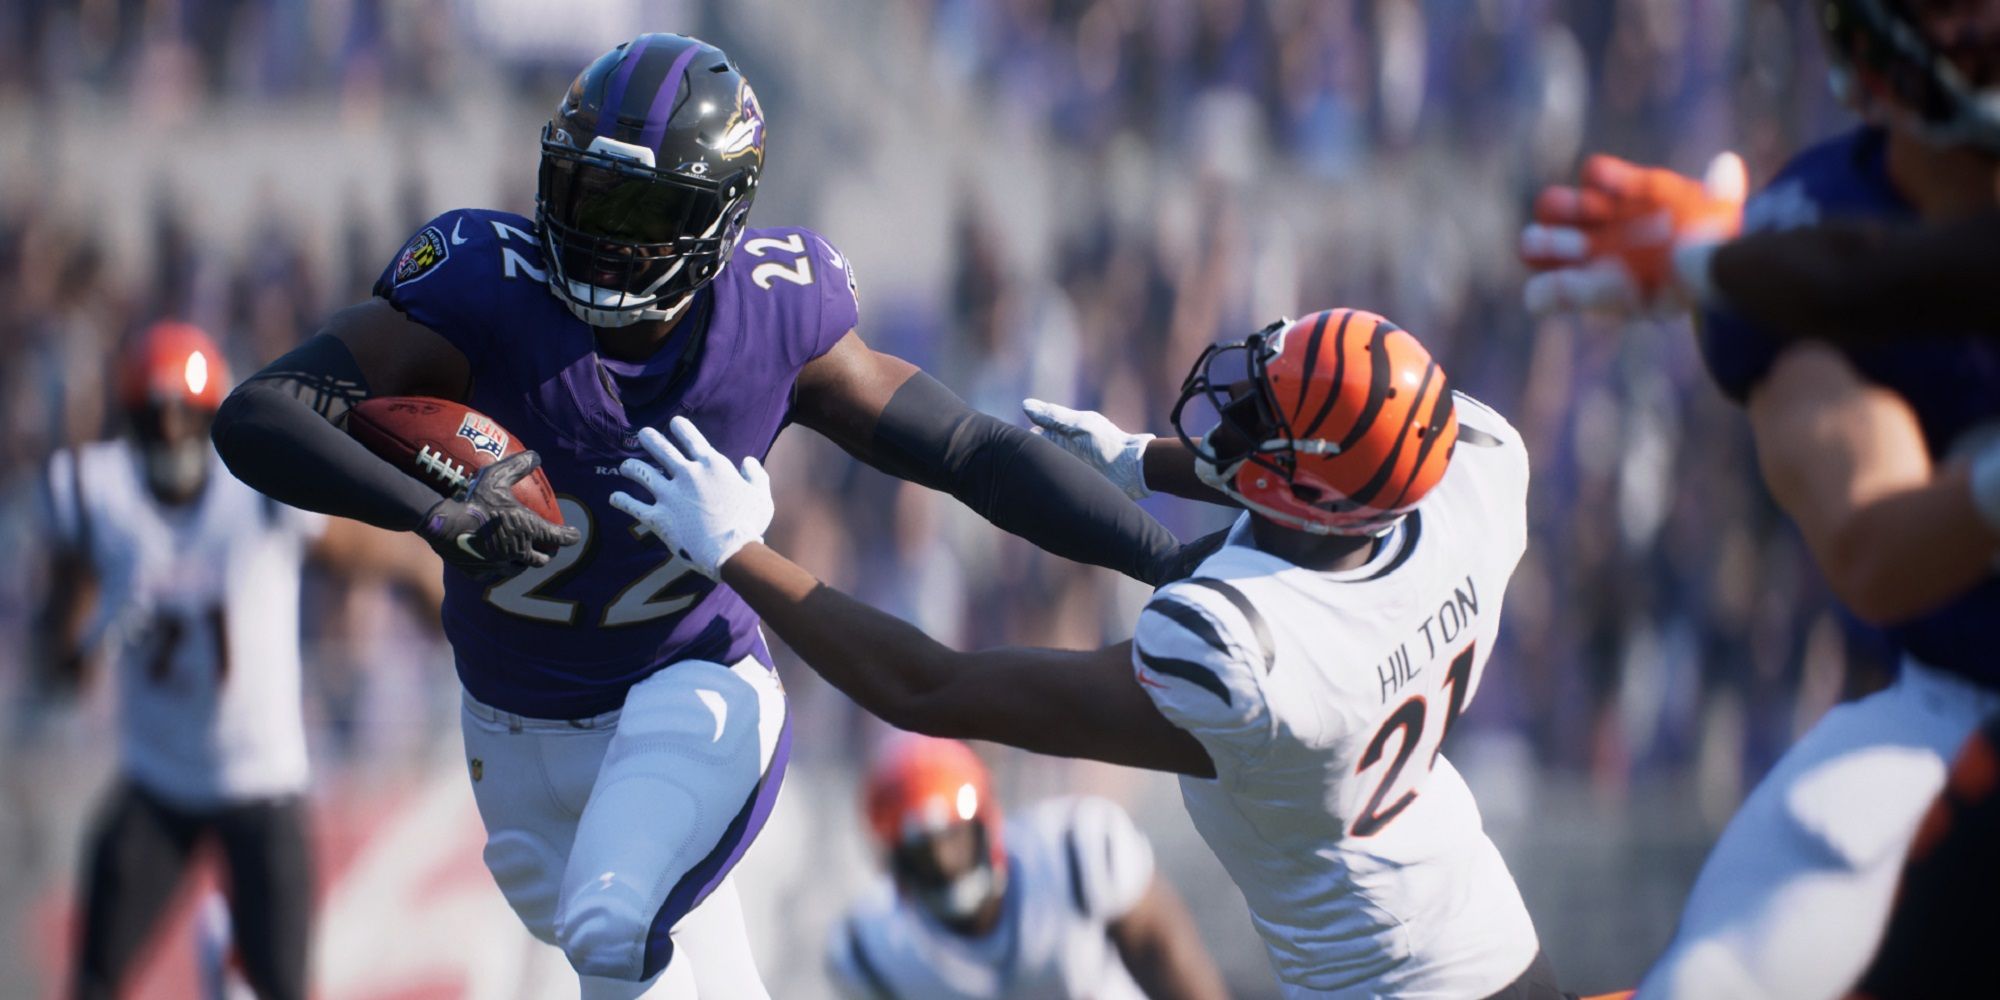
{"x": 711, "y": 870}
{"x": 663, "y": 103}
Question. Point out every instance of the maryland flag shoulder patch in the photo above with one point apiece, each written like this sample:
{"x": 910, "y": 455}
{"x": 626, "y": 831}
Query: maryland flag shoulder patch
{"x": 421, "y": 255}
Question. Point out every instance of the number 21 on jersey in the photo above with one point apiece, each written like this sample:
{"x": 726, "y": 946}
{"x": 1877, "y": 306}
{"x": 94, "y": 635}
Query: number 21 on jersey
{"x": 1406, "y": 728}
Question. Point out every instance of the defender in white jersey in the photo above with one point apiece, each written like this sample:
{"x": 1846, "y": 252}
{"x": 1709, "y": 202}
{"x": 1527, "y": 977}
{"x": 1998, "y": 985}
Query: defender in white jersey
{"x": 196, "y": 581}
{"x": 1324, "y": 698}
{"x": 1302, "y": 681}
{"x": 1059, "y": 901}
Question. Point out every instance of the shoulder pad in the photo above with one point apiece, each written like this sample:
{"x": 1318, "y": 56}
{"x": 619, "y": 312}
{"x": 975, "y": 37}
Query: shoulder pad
{"x": 465, "y": 273}
{"x": 798, "y": 278}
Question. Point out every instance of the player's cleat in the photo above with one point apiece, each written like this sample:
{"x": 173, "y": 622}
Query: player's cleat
{"x": 1629, "y": 237}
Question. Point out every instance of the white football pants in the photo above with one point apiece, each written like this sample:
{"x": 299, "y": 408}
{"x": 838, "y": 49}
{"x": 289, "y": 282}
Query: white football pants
{"x": 612, "y": 837}
{"x": 1792, "y": 903}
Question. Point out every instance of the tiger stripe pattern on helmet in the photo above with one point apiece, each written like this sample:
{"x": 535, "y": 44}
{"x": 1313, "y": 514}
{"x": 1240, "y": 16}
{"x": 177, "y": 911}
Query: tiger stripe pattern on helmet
{"x": 1364, "y": 425}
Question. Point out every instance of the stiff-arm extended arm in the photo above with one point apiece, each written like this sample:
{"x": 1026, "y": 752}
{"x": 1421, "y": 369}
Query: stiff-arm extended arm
{"x": 884, "y": 411}
{"x": 1067, "y": 703}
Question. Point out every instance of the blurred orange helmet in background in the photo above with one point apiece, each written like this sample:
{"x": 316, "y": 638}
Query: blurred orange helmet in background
{"x": 930, "y": 806}
{"x": 172, "y": 362}
{"x": 1337, "y": 423}
{"x": 918, "y": 785}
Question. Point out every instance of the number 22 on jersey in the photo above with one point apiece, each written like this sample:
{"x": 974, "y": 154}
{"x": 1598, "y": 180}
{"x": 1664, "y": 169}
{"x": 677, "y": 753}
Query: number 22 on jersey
{"x": 644, "y": 600}
{"x": 1406, "y": 727}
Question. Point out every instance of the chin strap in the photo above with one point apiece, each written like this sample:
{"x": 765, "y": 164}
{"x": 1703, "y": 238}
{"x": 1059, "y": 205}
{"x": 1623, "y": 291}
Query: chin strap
{"x": 1224, "y": 481}
{"x": 615, "y": 318}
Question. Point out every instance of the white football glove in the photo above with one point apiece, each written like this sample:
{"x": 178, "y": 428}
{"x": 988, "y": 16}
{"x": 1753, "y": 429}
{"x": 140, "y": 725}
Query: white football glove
{"x": 704, "y": 508}
{"x": 1091, "y": 436}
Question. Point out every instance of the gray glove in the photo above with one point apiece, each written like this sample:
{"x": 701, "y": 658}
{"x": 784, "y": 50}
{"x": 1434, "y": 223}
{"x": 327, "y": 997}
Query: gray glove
{"x": 490, "y": 534}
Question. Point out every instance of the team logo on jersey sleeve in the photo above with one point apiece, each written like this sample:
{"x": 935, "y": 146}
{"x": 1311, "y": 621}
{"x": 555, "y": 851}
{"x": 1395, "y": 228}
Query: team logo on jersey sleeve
{"x": 421, "y": 256}
{"x": 484, "y": 434}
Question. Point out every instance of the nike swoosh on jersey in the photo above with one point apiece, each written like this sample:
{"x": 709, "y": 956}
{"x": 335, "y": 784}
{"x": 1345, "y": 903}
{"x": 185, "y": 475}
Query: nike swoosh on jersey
{"x": 455, "y": 238}
{"x": 1188, "y": 670}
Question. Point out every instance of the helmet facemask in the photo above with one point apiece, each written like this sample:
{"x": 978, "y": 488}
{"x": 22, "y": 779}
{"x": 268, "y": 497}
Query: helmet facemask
{"x": 1252, "y": 452}
{"x": 1230, "y": 381}
{"x": 173, "y": 444}
{"x": 627, "y": 242}
{"x": 1928, "y": 65}
{"x": 920, "y": 860}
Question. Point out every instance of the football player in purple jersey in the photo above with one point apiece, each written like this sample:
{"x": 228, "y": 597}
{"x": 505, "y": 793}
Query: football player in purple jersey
{"x": 1880, "y": 447}
{"x": 624, "y": 729}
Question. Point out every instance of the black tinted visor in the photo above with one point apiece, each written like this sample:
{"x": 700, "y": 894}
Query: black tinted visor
{"x": 610, "y": 199}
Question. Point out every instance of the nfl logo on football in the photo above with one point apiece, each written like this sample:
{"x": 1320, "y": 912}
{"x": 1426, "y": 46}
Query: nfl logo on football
{"x": 484, "y": 434}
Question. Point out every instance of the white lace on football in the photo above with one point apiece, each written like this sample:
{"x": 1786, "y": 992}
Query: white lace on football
{"x": 448, "y": 472}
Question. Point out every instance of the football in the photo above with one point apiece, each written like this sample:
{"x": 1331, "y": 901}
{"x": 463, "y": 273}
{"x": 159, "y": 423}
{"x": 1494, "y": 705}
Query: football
{"x": 444, "y": 444}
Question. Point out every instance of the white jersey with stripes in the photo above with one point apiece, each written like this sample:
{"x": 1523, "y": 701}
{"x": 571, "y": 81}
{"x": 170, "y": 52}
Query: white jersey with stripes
{"x": 1322, "y": 698}
{"x": 198, "y": 612}
{"x": 1075, "y": 866}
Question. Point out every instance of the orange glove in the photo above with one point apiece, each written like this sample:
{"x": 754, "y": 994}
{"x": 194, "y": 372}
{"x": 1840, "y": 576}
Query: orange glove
{"x": 1629, "y": 237}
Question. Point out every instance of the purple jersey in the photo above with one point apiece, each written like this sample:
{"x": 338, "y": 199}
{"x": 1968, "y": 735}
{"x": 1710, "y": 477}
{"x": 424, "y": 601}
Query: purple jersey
{"x": 1951, "y": 381}
{"x": 567, "y": 639}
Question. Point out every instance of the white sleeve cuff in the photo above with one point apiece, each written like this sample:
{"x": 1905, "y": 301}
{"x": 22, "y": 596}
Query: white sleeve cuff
{"x": 1692, "y": 261}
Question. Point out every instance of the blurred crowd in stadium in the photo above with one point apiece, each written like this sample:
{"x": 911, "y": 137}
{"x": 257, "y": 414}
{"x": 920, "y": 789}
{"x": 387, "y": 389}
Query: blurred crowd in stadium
{"x": 1218, "y": 162}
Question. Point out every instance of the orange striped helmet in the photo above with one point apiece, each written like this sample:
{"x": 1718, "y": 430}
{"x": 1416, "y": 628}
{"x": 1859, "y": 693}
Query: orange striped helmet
{"x": 1338, "y": 423}
{"x": 172, "y": 362}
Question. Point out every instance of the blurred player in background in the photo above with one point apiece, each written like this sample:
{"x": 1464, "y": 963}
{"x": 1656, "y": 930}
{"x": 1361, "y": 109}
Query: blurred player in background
{"x": 1868, "y": 280}
{"x": 1882, "y": 449}
{"x": 188, "y": 581}
{"x": 638, "y": 293}
{"x": 1302, "y": 681}
{"x": 1060, "y": 901}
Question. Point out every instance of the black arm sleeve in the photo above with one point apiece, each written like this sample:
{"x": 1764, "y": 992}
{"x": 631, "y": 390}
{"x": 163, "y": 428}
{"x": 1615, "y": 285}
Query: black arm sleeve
{"x": 1020, "y": 482}
{"x": 1862, "y": 282}
{"x": 280, "y": 433}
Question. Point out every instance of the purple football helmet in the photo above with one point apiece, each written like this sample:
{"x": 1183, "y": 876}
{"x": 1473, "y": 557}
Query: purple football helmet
{"x": 648, "y": 169}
